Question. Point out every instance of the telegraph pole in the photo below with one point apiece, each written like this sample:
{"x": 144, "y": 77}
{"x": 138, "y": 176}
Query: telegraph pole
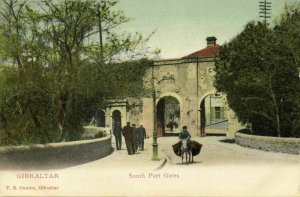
{"x": 100, "y": 31}
{"x": 154, "y": 145}
{"x": 265, "y": 10}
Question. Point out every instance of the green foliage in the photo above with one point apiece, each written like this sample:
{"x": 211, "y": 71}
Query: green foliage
{"x": 54, "y": 77}
{"x": 126, "y": 79}
{"x": 259, "y": 73}
{"x": 173, "y": 107}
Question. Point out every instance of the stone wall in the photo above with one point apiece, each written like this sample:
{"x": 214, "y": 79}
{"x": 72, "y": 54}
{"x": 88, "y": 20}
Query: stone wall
{"x": 274, "y": 144}
{"x": 54, "y": 155}
{"x": 92, "y": 132}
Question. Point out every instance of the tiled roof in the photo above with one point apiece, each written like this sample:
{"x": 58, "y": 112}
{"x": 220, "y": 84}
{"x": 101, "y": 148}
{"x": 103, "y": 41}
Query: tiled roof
{"x": 209, "y": 51}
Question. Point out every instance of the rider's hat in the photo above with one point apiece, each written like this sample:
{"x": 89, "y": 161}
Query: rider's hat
{"x": 184, "y": 127}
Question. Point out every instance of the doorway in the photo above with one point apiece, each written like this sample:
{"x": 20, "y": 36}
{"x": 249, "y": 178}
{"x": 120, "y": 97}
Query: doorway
{"x": 168, "y": 116}
{"x": 116, "y": 120}
{"x": 213, "y": 116}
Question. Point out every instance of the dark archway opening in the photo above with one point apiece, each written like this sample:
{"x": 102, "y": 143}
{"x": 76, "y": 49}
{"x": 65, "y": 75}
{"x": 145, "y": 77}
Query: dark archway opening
{"x": 116, "y": 120}
{"x": 168, "y": 116}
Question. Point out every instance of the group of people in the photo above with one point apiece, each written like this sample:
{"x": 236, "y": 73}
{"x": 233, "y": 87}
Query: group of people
{"x": 134, "y": 137}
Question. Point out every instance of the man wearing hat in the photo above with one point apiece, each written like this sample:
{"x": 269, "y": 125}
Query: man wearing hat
{"x": 184, "y": 134}
{"x": 141, "y": 136}
{"x": 128, "y": 135}
{"x": 117, "y": 130}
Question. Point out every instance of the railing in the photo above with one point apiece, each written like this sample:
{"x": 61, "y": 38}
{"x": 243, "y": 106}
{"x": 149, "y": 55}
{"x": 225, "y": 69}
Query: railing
{"x": 216, "y": 122}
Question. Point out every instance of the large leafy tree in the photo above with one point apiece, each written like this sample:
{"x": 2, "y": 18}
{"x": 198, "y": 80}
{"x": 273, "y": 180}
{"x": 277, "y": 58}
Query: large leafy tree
{"x": 54, "y": 73}
{"x": 260, "y": 78}
{"x": 288, "y": 35}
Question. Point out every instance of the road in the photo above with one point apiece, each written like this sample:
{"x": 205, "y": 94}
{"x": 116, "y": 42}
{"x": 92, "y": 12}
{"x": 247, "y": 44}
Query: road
{"x": 222, "y": 169}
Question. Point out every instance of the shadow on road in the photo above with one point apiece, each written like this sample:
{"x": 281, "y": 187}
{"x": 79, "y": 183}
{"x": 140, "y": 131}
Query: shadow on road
{"x": 228, "y": 141}
{"x": 184, "y": 163}
{"x": 34, "y": 161}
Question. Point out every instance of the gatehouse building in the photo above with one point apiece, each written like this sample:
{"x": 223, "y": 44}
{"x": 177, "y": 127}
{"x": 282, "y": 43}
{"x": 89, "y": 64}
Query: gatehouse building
{"x": 184, "y": 95}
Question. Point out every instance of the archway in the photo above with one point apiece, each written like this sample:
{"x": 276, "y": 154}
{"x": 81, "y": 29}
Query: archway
{"x": 213, "y": 116}
{"x": 116, "y": 120}
{"x": 168, "y": 116}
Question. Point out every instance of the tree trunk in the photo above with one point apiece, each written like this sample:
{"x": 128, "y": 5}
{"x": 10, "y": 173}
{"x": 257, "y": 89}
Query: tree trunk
{"x": 35, "y": 119}
{"x": 63, "y": 107}
{"x": 277, "y": 119}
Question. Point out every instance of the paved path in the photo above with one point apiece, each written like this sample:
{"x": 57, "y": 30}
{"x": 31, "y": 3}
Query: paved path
{"x": 120, "y": 159}
{"x": 222, "y": 169}
{"x": 218, "y": 150}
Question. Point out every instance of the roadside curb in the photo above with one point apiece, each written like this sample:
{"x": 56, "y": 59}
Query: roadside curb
{"x": 162, "y": 164}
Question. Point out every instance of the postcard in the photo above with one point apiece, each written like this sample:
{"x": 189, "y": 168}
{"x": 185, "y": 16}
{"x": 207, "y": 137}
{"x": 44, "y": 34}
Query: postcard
{"x": 149, "y": 98}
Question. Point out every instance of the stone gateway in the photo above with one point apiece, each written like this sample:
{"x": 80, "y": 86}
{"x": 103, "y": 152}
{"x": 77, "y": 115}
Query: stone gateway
{"x": 185, "y": 95}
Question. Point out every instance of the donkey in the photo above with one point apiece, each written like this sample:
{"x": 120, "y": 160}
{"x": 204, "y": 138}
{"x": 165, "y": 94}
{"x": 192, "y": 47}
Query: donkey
{"x": 186, "y": 150}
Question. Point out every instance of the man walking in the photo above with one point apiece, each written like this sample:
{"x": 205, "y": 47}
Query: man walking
{"x": 128, "y": 135}
{"x": 118, "y": 136}
{"x": 141, "y": 136}
{"x": 135, "y": 138}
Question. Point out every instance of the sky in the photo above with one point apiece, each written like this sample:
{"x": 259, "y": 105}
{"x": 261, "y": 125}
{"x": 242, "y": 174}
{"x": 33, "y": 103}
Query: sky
{"x": 182, "y": 25}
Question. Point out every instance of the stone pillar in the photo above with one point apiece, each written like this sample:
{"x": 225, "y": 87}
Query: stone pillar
{"x": 148, "y": 115}
{"x": 107, "y": 118}
{"x": 233, "y": 124}
{"x": 124, "y": 115}
{"x": 193, "y": 117}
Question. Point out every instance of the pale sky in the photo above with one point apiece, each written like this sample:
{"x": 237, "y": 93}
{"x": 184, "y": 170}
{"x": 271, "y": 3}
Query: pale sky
{"x": 183, "y": 25}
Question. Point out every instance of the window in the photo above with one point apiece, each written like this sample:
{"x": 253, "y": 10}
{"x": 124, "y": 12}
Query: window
{"x": 218, "y": 112}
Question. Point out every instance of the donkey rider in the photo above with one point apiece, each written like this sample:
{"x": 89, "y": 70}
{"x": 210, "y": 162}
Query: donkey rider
{"x": 184, "y": 134}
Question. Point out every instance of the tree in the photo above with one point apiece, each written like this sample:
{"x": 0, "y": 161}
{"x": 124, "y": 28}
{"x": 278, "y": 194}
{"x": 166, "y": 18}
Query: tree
{"x": 55, "y": 75}
{"x": 260, "y": 80}
{"x": 288, "y": 31}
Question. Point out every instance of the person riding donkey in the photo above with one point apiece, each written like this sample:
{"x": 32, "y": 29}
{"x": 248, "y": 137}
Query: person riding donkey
{"x": 184, "y": 134}
{"x": 186, "y": 147}
{"x": 186, "y": 150}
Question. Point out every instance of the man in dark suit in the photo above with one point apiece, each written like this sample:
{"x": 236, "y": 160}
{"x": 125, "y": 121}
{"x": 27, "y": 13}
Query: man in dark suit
{"x": 118, "y": 136}
{"x": 135, "y": 138}
{"x": 141, "y": 136}
{"x": 128, "y": 135}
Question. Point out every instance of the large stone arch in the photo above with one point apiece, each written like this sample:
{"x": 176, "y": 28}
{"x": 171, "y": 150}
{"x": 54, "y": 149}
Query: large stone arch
{"x": 213, "y": 121}
{"x": 177, "y": 97}
{"x": 189, "y": 81}
{"x": 205, "y": 95}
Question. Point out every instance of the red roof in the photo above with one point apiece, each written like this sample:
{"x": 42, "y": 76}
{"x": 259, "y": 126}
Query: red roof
{"x": 209, "y": 51}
